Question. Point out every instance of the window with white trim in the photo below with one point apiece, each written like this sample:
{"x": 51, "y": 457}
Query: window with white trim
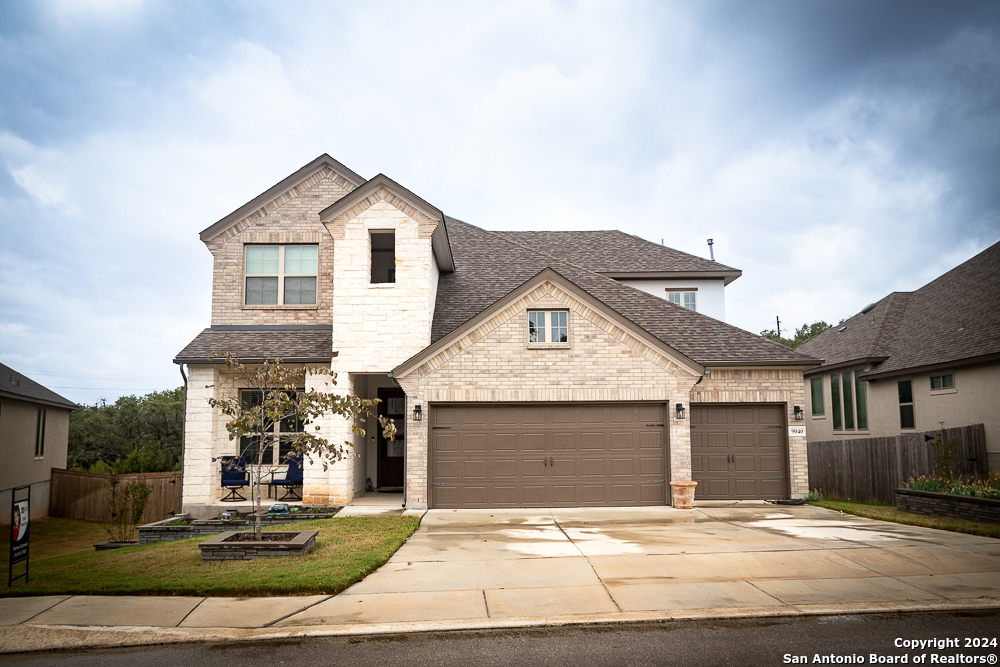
{"x": 686, "y": 297}
{"x": 281, "y": 275}
{"x": 548, "y": 326}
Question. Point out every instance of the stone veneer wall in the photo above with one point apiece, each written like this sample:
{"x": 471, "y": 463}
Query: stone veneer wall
{"x": 292, "y": 218}
{"x": 948, "y": 505}
{"x": 602, "y": 362}
{"x": 763, "y": 385}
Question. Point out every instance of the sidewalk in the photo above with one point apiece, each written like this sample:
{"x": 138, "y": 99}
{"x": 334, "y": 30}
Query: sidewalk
{"x": 476, "y": 569}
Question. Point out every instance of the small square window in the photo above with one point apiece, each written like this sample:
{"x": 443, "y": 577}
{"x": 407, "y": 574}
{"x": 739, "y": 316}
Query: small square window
{"x": 557, "y": 330}
{"x": 687, "y": 297}
{"x": 942, "y": 382}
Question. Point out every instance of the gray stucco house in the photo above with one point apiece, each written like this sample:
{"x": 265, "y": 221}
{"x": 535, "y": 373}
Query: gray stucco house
{"x": 526, "y": 369}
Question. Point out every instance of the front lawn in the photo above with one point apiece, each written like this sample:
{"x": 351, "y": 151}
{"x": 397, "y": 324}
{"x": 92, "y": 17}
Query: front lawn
{"x": 890, "y": 513}
{"x": 346, "y": 550}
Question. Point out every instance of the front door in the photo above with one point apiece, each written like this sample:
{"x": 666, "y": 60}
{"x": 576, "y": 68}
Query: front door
{"x": 390, "y": 454}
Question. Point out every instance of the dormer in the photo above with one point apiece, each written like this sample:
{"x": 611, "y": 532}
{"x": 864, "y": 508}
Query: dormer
{"x": 390, "y": 246}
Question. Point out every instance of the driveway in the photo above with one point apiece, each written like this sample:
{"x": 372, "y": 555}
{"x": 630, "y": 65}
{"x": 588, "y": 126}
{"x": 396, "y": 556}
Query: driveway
{"x": 613, "y": 563}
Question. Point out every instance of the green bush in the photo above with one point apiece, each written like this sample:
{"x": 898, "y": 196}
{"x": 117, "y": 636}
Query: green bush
{"x": 814, "y": 496}
{"x": 976, "y": 488}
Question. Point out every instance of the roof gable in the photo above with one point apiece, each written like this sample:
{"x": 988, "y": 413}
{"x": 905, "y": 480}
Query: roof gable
{"x": 547, "y": 283}
{"x": 19, "y": 386}
{"x": 285, "y": 189}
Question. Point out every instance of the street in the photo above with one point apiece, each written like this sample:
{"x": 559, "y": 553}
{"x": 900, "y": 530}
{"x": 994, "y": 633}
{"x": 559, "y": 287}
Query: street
{"x": 766, "y": 641}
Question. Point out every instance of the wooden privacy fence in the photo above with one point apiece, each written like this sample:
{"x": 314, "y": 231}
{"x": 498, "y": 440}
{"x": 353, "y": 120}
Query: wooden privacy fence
{"x": 83, "y": 495}
{"x": 870, "y": 469}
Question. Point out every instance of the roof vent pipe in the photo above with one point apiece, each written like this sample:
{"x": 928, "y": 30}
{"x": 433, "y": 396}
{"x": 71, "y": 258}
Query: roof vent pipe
{"x": 868, "y": 308}
{"x": 711, "y": 251}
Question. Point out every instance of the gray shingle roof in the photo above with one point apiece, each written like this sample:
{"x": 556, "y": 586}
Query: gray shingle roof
{"x": 260, "y": 343}
{"x": 612, "y": 251}
{"x": 491, "y": 265}
{"x": 21, "y": 386}
{"x": 952, "y": 318}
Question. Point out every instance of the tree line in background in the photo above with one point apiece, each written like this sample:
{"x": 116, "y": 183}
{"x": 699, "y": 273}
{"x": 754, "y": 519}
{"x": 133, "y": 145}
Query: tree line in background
{"x": 803, "y": 334}
{"x": 131, "y": 435}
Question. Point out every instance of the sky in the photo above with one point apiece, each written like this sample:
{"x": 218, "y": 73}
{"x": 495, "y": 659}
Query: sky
{"x": 836, "y": 151}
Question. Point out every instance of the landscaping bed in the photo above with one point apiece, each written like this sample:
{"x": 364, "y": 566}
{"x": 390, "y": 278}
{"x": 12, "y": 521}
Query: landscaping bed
{"x": 892, "y": 513}
{"x": 246, "y": 546}
{"x": 950, "y": 505}
{"x": 182, "y": 526}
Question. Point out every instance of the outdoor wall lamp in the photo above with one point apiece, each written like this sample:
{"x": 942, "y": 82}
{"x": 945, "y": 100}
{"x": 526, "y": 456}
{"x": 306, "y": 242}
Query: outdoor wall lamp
{"x": 799, "y": 415}
{"x": 680, "y": 410}
{"x": 418, "y": 413}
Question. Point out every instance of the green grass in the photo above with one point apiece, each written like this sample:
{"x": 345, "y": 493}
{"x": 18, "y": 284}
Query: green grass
{"x": 56, "y": 537}
{"x": 890, "y": 513}
{"x": 346, "y": 550}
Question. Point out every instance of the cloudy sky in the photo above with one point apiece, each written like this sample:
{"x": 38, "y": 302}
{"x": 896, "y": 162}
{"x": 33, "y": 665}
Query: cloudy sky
{"x": 835, "y": 151}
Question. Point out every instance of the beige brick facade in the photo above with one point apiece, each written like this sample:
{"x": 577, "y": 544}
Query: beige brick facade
{"x": 494, "y": 362}
{"x": 763, "y": 385}
{"x": 290, "y": 218}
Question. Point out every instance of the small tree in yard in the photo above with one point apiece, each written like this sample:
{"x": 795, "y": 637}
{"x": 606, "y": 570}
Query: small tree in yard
{"x": 282, "y": 400}
{"x": 126, "y": 502}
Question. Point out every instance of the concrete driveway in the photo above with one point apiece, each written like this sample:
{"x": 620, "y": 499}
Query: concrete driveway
{"x": 506, "y": 564}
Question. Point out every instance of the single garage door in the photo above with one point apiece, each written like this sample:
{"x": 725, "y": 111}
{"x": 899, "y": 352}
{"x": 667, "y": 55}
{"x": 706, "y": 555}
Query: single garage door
{"x": 738, "y": 452}
{"x": 547, "y": 454}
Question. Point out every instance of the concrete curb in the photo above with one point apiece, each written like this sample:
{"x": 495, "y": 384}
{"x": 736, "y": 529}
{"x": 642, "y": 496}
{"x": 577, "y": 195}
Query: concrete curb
{"x": 27, "y": 637}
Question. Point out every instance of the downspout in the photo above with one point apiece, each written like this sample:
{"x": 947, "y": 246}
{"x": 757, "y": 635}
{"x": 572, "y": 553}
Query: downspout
{"x": 184, "y": 407}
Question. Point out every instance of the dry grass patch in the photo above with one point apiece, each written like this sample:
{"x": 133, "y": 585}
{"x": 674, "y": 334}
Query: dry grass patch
{"x": 347, "y": 549}
{"x": 890, "y": 513}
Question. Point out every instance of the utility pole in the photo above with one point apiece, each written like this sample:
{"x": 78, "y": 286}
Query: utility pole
{"x": 778, "y": 325}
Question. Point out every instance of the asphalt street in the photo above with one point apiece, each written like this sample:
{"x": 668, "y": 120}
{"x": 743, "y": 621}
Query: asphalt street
{"x": 843, "y": 639}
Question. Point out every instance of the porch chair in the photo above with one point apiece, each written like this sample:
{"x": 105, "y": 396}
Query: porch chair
{"x": 292, "y": 478}
{"x": 234, "y": 477}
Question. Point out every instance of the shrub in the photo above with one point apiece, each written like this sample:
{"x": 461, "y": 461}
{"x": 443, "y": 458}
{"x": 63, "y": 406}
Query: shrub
{"x": 814, "y": 496}
{"x": 127, "y": 503}
{"x": 976, "y": 488}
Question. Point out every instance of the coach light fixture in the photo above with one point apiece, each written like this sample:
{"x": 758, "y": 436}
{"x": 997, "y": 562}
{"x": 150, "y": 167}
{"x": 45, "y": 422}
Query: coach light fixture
{"x": 680, "y": 410}
{"x": 799, "y": 415}
{"x": 418, "y": 413}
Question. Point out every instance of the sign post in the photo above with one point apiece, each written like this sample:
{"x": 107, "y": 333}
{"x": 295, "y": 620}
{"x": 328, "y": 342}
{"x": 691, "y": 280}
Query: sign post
{"x": 19, "y": 515}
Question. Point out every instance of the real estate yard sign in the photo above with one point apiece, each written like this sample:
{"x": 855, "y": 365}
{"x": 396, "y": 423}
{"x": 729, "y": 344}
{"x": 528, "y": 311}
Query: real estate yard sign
{"x": 19, "y": 514}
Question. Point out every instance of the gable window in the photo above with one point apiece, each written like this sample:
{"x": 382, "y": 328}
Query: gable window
{"x": 942, "y": 382}
{"x": 283, "y": 275}
{"x": 687, "y": 297}
{"x": 548, "y": 326}
{"x": 40, "y": 434}
{"x": 250, "y": 445}
{"x": 906, "y": 419}
{"x": 849, "y": 401}
{"x": 383, "y": 257}
{"x": 816, "y": 390}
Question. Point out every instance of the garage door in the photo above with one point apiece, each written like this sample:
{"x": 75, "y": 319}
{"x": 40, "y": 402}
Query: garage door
{"x": 738, "y": 452}
{"x": 547, "y": 455}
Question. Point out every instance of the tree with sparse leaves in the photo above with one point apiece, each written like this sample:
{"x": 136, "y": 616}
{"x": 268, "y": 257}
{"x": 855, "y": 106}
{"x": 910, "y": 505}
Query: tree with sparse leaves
{"x": 282, "y": 399}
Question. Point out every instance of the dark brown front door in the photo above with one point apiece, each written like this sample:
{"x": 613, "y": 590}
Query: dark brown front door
{"x": 547, "y": 454}
{"x": 738, "y": 452}
{"x": 391, "y": 454}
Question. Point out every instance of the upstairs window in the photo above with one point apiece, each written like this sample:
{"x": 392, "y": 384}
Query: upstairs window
{"x": 906, "y": 419}
{"x": 685, "y": 297}
{"x": 284, "y": 275}
{"x": 942, "y": 382}
{"x": 383, "y": 257}
{"x": 548, "y": 326}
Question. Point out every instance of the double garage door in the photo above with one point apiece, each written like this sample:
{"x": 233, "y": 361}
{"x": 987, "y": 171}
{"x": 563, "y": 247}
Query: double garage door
{"x": 738, "y": 452}
{"x": 547, "y": 455}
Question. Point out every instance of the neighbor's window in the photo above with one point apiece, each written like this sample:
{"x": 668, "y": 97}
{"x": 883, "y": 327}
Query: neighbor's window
{"x": 848, "y": 400}
{"x": 816, "y": 389}
{"x": 250, "y": 445}
{"x": 278, "y": 274}
{"x": 687, "y": 298}
{"x": 835, "y": 401}
{"x": 40, "y": 434}
{"x": 557, "y": 330}
{"x": 861, "y": 394}
{"x": 905, "y": 404}
{"x": 383, "y": 257}
{"x": 942, "y": 382}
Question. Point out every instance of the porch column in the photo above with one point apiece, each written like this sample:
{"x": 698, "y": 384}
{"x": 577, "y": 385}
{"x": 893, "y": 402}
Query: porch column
{"x": 335, "y": 485}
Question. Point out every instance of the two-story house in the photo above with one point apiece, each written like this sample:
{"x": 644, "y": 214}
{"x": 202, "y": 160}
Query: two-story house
{"x": 523, "y": 368}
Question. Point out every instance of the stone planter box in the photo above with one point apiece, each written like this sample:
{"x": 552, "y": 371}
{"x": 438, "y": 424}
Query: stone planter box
{"x": 217, "y": 548}
{"x": 947, "y": 505}
{"x": 104, "y": 546}
{"x": 158, "y": 531}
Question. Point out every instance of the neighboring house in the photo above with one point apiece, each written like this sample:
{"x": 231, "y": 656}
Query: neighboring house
{"x": 34, "y": 437}
{"x": 914, "y": 360}
{"x": 519, "y": 370}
